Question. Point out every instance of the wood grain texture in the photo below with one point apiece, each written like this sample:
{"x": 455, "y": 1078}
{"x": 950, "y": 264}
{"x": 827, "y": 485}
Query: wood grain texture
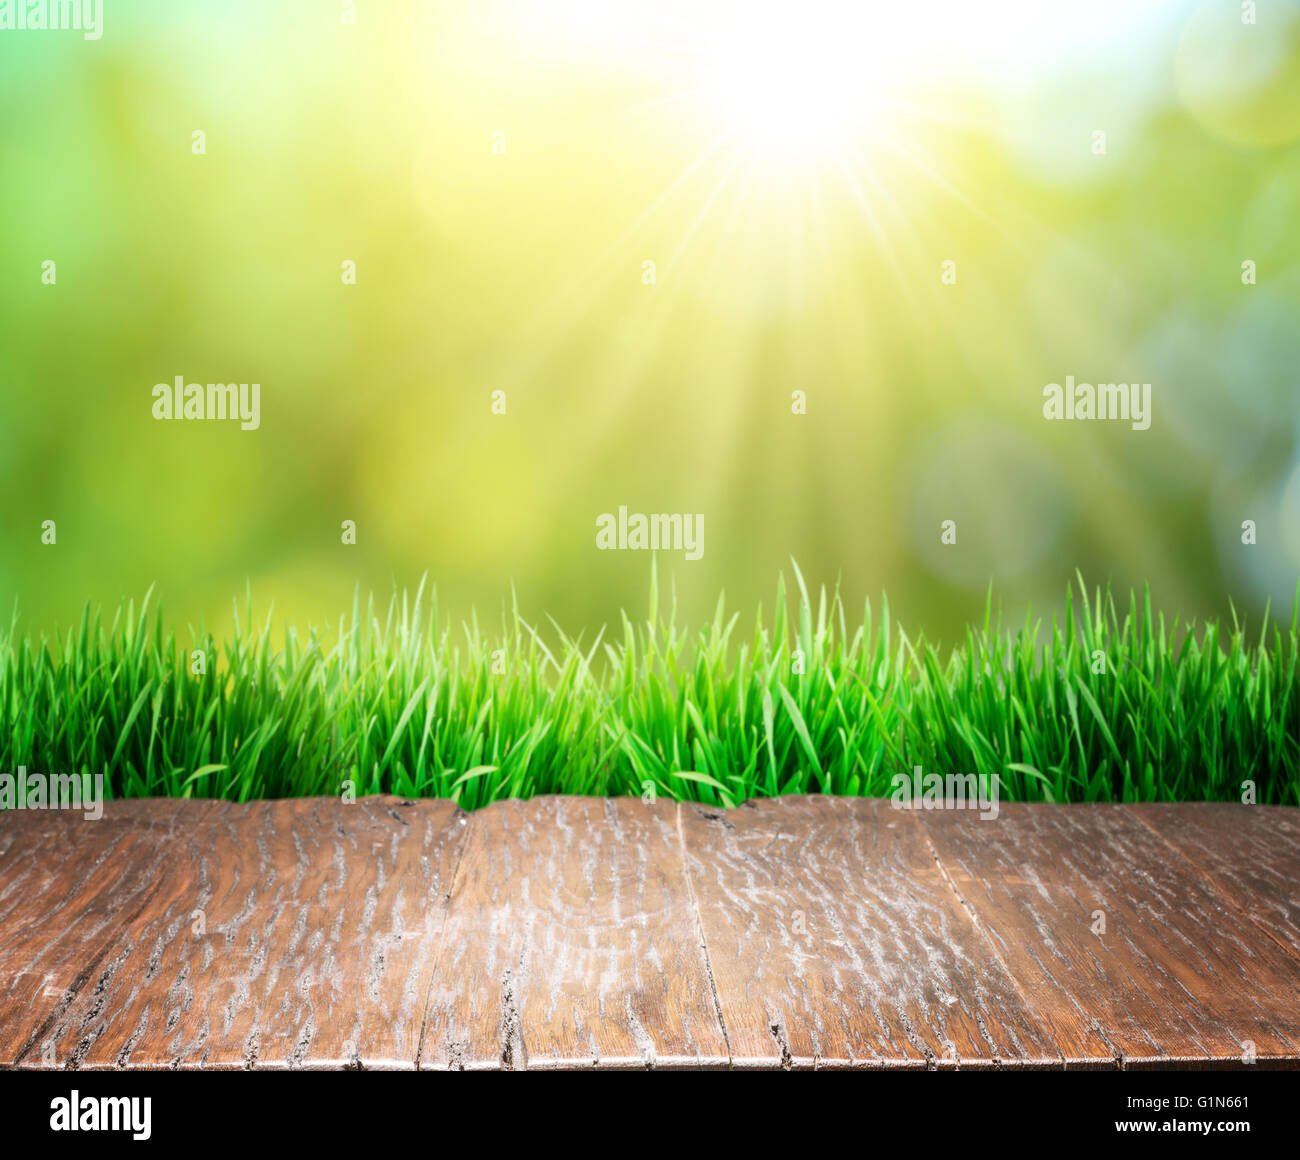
{"x": 835, "y": 941}
{"x": 607, "y": 933}
{"x": 572, "y": 942}
{"x": 1251, "y": 853}
{"x": 1179, "y": 975}
{"x": 68, "y": 888}
{"x": 280, "y": 934}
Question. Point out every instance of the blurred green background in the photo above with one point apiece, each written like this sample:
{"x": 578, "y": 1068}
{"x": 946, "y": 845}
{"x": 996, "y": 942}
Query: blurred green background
{"x": 639, "y": 132}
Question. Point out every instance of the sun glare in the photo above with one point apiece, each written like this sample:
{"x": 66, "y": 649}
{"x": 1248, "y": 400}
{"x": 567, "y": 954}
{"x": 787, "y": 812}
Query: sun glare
{"x": 790, "y": 82}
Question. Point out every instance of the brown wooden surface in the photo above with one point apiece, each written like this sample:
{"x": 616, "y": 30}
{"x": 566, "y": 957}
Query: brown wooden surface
{"x": 1180, "y": 975}
{"x": 572, "y": 942}
{"x": 318, "y": 933}
{"x": 580, "y": 932}
{"x": 835, "y": 942}
{"x": 69, "y": 887}
{"x": 1250, "y": 852}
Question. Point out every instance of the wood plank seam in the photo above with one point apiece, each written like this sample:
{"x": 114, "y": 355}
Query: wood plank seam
{"x": 704, "y": 944}
{"x": 1215, "y": 886}
{"x": 982, "y": 934}
{"x": 572, "y": 943}
{"x": 583, "y": 932}
{"x": 834, "y": 944}
{"x": 351, "y": 951}
{"x": 1178, "y": 982}
{"x": 991, "y": 943}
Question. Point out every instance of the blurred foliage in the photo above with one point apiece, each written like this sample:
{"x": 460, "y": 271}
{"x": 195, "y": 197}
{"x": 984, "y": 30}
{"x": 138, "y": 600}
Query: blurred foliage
{"x": 522, "y": 272}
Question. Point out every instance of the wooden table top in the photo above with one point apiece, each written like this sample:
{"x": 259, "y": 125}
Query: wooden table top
{"x": 569, "y": 932}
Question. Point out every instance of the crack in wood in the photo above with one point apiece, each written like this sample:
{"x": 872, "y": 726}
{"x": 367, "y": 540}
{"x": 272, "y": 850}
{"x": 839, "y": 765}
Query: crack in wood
{"x": 787, "y": 933}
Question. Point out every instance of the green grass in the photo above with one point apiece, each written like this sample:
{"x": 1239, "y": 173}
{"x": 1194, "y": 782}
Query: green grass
{"x": 398, "y": 702}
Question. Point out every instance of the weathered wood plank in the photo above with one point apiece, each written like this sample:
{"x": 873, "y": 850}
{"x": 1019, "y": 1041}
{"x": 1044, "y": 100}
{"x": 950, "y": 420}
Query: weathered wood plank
{"x": 1250, "y": 852}
{"x": 835, "y": 941}
{"x": 298, "y": 933}
{"x": 568, "y": 932}
{"x": 1179, "y": 975}
{"x": 572, "y": 942}
{"x": 68, "y": 887}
